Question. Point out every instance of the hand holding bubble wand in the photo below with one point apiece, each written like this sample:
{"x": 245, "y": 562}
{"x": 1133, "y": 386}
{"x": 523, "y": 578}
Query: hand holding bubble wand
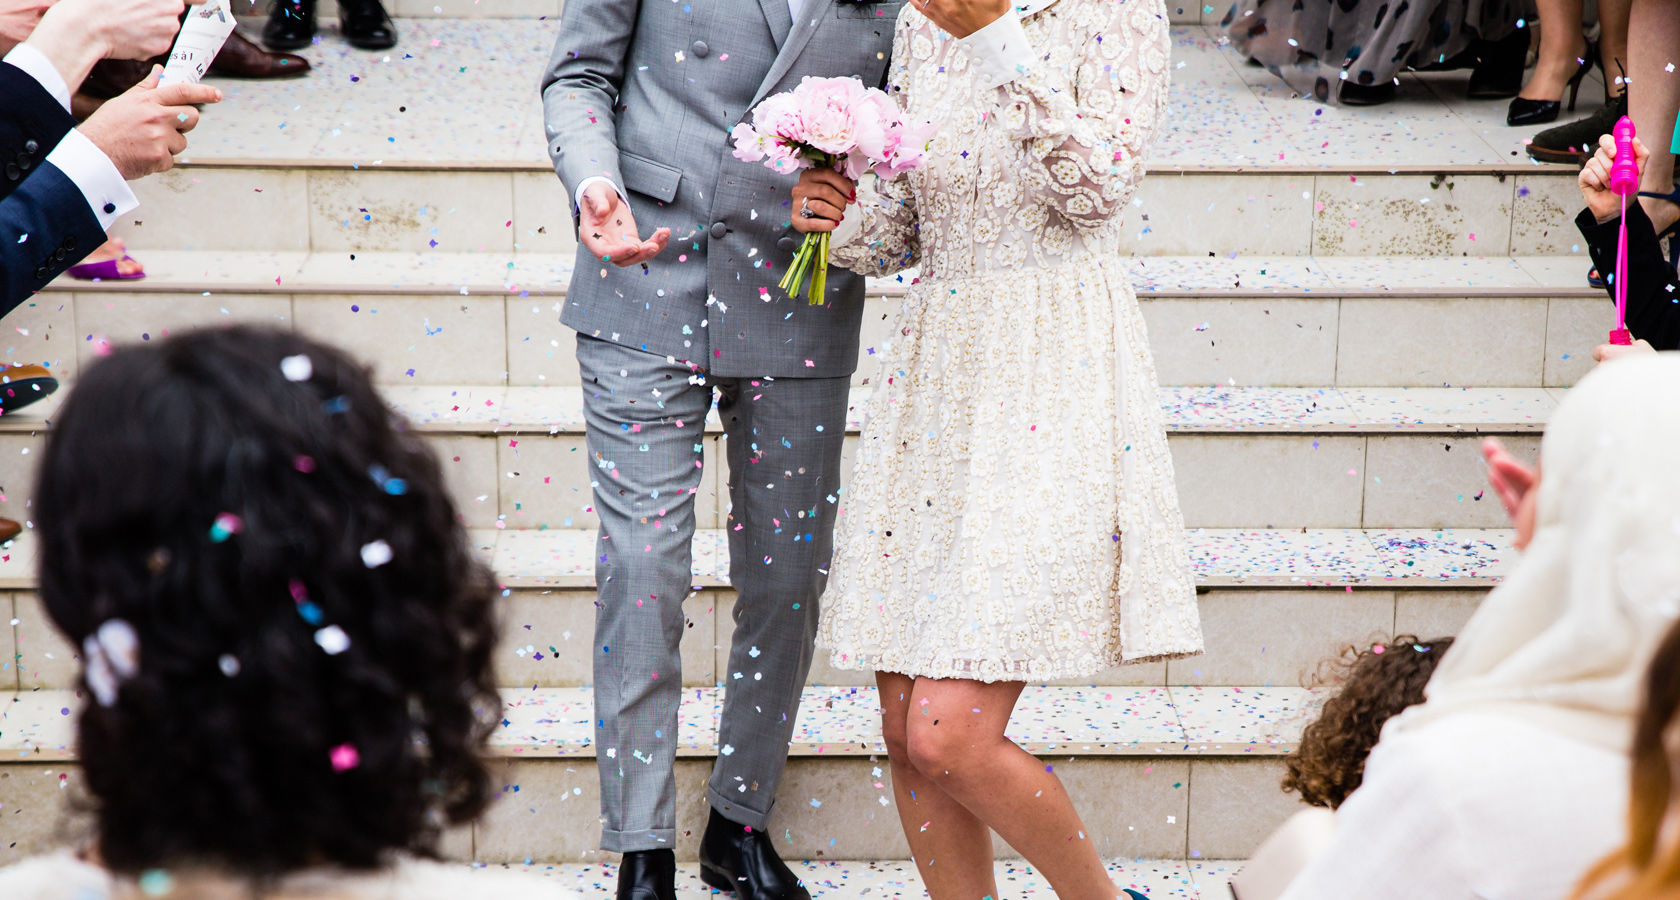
{"x": 1624, "y": 183}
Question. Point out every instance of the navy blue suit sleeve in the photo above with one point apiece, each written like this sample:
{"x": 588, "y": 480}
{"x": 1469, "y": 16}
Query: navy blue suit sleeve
{"x": 1653, "y": 291}
{"x": 31, "y": 125}
{"x": 46, "y": 227}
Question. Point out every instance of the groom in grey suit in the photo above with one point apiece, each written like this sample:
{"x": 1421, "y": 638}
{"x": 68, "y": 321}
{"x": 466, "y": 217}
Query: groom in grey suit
{"x": 639, "y": 99}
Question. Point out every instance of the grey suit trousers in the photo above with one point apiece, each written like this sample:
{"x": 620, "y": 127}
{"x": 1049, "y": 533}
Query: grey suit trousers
{"x": 646, "y": 418}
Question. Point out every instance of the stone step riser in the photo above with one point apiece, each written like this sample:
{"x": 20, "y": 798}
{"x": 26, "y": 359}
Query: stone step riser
{"x": 1253, "y": 636}
{"x": 502, "y": 338}
{"x": 341, "y": 210}
{"x": 548, "y": 809}
{"x": 1224, "y": 481}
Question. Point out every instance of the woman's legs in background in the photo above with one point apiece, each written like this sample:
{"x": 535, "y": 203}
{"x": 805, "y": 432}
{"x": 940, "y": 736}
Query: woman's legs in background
{"x": 1613, "y": 43}
{"x": 1561, "y": 44}
{"x": 1654, "y": 97}
{"x": 974, "y": 777}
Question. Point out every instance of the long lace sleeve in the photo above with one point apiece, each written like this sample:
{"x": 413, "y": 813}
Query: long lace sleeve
{"x": 884, "y": 240}
{"x": 1087, "y": 106}
{"x": 879, "y": 235}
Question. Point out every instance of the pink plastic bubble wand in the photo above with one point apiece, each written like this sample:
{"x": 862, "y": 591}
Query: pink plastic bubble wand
{"x": 1624, "y": 183}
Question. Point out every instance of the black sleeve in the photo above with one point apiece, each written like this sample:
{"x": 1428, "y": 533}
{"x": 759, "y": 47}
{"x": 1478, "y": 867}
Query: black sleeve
{"x": 1653, "y": 313}
{"x": 46, "y": 226}
{"x": 31, "y": 124}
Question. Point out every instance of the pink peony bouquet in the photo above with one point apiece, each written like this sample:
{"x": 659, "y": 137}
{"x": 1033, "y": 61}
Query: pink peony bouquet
{"x": 834, "y": 122}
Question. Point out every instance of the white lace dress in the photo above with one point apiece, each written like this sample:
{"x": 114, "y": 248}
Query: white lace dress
{"x": 1012, "y": 514}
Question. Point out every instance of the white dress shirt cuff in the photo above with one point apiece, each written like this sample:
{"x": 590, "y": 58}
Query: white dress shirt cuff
{"x": 107, "y": 194}
{"x": 577, "y": 196}
{"x": 1001, "y": 51}
{"x": 35, "y": 64}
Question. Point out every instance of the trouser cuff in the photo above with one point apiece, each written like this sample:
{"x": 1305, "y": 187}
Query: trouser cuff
{"x": 635, "y": 841}
{"x": 736, "y": 811}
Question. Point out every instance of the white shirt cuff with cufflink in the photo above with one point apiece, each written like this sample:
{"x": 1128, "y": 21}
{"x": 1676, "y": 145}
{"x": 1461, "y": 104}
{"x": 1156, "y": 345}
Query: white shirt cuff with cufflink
{"x": 108, "y": 195}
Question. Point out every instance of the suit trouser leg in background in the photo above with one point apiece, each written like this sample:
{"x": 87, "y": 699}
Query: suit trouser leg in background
{"x": 784, "y": 438}
{"x": 646, "y": 422}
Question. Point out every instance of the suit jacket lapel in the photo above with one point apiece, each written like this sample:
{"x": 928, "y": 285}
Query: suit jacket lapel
{"x": 811, "y": 14}
{"x": 781, "y": 22}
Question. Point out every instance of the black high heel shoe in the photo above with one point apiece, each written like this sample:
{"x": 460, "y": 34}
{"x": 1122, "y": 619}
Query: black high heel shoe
{"x": 1524, "y": 111}
{"x": 1499, "y": 67}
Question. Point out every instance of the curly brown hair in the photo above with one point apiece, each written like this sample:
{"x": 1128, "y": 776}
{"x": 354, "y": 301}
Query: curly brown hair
{"x": 295, "y": 701}
{"x": 1374, "y": 684}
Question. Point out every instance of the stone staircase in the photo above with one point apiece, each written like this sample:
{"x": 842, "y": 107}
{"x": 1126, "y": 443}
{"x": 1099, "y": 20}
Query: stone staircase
{"x": 1341, "y": 305}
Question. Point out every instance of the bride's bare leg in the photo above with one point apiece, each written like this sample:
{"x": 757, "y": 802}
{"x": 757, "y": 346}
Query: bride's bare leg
{"x": 954, "y": 852}
{"x": 955, "y": 737}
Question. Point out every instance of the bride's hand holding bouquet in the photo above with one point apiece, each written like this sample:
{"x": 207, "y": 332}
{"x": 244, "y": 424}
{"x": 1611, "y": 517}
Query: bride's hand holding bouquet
{"x": 831, "y": 130}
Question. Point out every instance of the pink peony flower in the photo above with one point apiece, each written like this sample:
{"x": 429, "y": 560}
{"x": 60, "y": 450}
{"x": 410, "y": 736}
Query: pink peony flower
{"x": 830, "y": 109}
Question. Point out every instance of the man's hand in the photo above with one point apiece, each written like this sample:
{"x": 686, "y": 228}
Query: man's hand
{"x": 141, "y": 130}
{"x": 608, "y": 229}
{"x": 1594, "y": 179}
{"x": 963, "y": 17}
{"x": 1605, "y": 352}
{"x": 1510, "y": 477}
{"x": 18, "y": 19}
{"x": 825, "y": 193}
{"x": 75, "y": 34}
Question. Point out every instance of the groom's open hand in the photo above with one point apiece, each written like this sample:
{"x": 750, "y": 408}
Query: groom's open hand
{"x": 824, "y": 193}
{"x": 608, "y": 228}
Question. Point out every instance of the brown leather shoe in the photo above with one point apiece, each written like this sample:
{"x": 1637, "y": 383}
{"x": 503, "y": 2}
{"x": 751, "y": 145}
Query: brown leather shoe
{"x": 242, "y": 59}
{"x": 9, "y": 529}
{"x": 23, "y": 385}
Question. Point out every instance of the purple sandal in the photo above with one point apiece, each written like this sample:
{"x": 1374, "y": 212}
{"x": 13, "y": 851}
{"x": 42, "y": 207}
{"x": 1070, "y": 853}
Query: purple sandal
{"x": 104, "y": 270}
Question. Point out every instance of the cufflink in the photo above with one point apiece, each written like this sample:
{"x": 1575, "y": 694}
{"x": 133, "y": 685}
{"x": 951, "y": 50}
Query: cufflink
{"x": 110, "y": 208}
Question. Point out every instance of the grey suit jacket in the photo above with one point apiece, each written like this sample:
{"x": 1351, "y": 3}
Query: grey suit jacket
{"x": 644, "y": 92}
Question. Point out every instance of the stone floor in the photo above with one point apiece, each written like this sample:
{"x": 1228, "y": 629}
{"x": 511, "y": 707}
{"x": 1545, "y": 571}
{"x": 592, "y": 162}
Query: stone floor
{"x": 896, "y": 880}
{"x": 465, "y": 90}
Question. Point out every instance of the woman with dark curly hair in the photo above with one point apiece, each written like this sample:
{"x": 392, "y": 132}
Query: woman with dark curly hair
{"x": 1372, "y": 686}
{"x": 286, "y": 639}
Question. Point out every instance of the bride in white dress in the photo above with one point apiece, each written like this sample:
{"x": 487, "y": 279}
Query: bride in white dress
{"x": 1012, "y": 515}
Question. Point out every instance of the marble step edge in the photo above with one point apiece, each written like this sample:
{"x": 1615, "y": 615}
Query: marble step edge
{"x": 525, "y": 274}
{"x": 1501, "y": 170}
{"x": 563, "y": 559}
{"x": 1203, "y": 410}
{"x": 1092, "y": 721}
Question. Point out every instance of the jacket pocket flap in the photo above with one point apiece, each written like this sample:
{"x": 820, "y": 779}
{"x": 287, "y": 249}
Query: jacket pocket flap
{"x": 644, "y": 176}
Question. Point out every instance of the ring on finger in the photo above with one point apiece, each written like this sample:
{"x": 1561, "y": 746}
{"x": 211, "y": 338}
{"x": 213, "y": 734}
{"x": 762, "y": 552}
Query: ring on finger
{"x": 805, "y": 209}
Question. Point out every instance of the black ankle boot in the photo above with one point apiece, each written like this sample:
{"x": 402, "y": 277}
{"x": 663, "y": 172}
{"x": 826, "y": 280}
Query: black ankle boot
{"x": 1499, "y": 67}
{"x": 741, "y": 860}
{"x": 366, "y": 25}
{"x": 291, "y": 25}
{"x": 648, "y": 875}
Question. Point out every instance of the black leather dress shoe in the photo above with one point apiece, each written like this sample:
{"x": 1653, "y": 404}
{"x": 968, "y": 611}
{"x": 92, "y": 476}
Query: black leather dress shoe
{"x": 735, "y": 859}
{"x": 366, "y": 25}
{"x": 291, "y": 25}
{"x": 648, "y": 875}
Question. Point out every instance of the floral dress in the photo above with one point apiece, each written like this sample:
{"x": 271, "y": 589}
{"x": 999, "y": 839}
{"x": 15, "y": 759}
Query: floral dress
{"x": 1012, "y": 514}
